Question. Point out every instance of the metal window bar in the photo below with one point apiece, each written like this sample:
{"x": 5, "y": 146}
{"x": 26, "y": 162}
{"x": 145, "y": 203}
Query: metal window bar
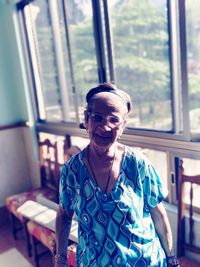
{"x": 174, "y": 57}
{"x": 28, "y": 68}
{"x": 184, "y": 73}
{"x": 99, "y": 44}
{"x": 108, "y": 41}
{"x": 59, "y": 59}
{"x": 75, "y": 94}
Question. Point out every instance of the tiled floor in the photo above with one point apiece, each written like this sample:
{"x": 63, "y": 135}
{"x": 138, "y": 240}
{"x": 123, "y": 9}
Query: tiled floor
{"x": 13, "y": 253}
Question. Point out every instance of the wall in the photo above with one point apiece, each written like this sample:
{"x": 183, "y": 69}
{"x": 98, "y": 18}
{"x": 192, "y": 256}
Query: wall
{"x": 12, "y": 163}
{"x": 12, "y": 100}
{"x": 18, "y": 164}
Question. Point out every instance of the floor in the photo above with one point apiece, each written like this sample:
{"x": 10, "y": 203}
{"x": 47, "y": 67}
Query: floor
{"x": 13, "y": 253}
{"x": 184, "y": 262}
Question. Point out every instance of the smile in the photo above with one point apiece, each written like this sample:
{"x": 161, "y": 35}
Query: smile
{"x": 102, "y": 136}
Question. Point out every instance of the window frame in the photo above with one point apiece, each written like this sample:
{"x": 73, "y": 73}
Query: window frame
{"x": 178, "y": 67}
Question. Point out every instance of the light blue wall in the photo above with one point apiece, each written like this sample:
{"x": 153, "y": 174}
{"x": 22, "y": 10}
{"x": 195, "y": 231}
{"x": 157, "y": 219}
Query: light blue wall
{"x": 12, "y": 96}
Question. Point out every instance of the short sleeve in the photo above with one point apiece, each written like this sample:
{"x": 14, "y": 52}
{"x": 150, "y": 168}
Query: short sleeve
{"x": 67, "y": 188}
{"x": 153, "y": 188}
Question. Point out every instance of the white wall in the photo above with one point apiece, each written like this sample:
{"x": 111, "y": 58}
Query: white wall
{"x": 32, "y": 157}
{"x": 18, "y": 161}
{"x": 13, "y": 163}
{"x": 18, "y": 165}
{"x": 12, "y": 101}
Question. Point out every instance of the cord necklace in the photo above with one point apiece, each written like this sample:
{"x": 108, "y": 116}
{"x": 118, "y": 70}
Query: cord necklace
{"x": 92, "y": 171}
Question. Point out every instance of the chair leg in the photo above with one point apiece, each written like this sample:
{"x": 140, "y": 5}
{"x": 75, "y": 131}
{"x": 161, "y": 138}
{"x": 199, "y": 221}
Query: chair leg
{"x": 13, "y": 225}
{"x": 35, "y": 252}
{"x": 27, "y": 239}
{"x": 14, "y": 228}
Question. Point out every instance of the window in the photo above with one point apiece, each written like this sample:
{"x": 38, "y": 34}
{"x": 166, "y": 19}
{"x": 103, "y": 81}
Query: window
{"x": 140, "y": 37}
{"x": 138, "y": 45}
{"x": 39, "y": 26}
{"x": 79, "y": 24}
{"x": 61, "y": 41}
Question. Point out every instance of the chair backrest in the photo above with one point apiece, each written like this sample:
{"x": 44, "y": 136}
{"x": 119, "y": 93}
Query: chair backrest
{"x": 186, "y": 241}
{"x": 49, "y": 164}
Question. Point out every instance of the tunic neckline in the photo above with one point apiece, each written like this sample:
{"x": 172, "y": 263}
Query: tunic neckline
{"x": 94, "y": 182}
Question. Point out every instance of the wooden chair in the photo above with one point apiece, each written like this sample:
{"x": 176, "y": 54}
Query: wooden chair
{"x": 49, "y": 172}
{"x": 185, "y": 216}
{"x": 40, "y": 234}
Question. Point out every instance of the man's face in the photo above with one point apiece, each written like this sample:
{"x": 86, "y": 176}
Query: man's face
{"x": 105, "y": 120}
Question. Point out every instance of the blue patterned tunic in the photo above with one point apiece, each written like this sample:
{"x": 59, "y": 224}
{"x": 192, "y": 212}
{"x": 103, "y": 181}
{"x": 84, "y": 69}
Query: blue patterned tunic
{"x": 115, "y": 229}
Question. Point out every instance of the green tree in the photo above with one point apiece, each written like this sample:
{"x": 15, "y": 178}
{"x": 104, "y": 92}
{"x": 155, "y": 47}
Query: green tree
{"x": 141, "y": 51}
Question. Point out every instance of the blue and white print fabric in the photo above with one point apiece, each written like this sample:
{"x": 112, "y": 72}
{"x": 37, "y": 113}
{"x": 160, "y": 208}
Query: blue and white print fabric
{"x": 115, "y": 229}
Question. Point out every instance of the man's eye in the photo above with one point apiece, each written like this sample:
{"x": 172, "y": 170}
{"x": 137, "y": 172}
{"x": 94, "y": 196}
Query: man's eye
{"x": 114, "y": 119}
{"x": 97, "y": 117}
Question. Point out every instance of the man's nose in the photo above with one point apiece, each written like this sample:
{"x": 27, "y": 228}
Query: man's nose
{"x": 105, "y": 124}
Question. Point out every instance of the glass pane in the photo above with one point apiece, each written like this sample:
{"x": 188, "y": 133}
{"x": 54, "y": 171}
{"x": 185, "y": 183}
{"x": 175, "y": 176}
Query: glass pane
{"x": 80, "y": 24}
{"x": 47, "y": 26}
{"x": 193, "y": 57}
{"x": 41, "y": 27}
{"x": 67, "y": 72}
{"x": 141, "y": 60}
{"x": 192, "y": 167}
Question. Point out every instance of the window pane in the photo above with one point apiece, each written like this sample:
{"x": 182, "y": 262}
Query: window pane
{"x": 141, "y": 60}
{"x": 46, "y": 29}
{"x": 41, "y": 27}
{"x": 83, "y": 52}
{"x": 193, "y": 57}
{"x": 192, "y": 167}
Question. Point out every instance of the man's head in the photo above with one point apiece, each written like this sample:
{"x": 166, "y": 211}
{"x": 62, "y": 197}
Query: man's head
{"x": 112, "y": 89}
{"x": 106, "y": 112}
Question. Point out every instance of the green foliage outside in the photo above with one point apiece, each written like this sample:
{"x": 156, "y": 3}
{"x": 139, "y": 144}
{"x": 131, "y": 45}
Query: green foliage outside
{"x": 141, "y": 56}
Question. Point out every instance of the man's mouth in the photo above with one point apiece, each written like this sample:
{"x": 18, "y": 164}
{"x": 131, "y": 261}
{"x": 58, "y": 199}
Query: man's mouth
{"x": 106, "y": 136}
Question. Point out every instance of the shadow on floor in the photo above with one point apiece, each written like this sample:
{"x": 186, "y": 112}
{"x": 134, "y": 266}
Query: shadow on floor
{"x": 13, "y": 252}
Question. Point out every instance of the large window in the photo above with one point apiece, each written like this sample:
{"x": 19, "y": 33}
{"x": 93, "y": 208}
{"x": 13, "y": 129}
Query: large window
{"x": 139, "y": 45}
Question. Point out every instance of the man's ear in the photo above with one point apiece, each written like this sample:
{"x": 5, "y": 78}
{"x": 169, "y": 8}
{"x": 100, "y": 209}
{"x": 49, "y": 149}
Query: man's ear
{"x": 123, "y": 125}
{"x": 86, "y": 117}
